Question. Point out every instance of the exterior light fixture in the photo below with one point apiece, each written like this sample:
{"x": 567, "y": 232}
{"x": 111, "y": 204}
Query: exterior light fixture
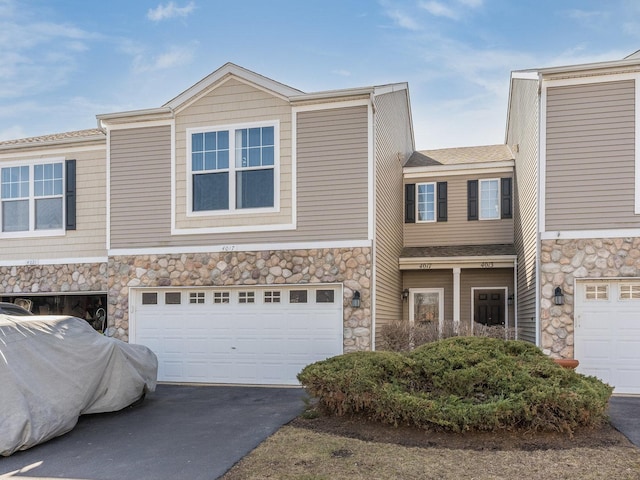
{"x": 558, "y": 296}
{"x": 510, "y": 299}
{"x": 355, "y": 301}
{"x": 405, "y": 294}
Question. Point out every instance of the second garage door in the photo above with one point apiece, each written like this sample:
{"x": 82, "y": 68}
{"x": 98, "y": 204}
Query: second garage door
{"x": 258, "y": 335}
{"x": 607, "y": 332}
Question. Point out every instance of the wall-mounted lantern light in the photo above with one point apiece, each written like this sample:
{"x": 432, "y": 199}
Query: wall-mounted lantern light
{"x": 405, "y": 294}
{"x": 510, "y": 299}
{"x": 355, "y": 301}
{"x": 558, "y": 296}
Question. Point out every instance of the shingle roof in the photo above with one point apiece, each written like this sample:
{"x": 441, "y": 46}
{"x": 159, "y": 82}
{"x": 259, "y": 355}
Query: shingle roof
{"x": 55, "y": 137}
{"x": 458, "y": 251}
{"x": 460, "y": 155}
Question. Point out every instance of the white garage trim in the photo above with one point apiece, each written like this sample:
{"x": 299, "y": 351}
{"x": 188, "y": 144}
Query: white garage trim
{"x": 238, "y": 335}
{"x": 607, "y": 331}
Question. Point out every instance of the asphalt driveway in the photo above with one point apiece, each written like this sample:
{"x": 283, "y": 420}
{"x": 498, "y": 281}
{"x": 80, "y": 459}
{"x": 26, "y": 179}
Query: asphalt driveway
{"x": 624, "y": 414}
{"x": 179, "y": 431}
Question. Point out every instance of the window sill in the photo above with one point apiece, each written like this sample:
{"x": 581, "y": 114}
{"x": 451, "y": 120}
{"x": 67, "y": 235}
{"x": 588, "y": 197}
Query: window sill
{"x": 37, "y": 234}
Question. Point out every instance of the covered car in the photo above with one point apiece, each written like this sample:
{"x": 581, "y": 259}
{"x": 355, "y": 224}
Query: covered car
{"x": 55, "y": 368}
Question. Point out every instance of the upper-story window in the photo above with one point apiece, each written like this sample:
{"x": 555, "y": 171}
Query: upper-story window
{"x": 233, "y": 168}
{"x": 426, "y": 202}
{"x": 489, "y": 199}
{"x": 32, "y": 197}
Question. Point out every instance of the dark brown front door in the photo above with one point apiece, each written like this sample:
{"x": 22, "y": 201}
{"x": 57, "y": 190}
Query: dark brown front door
{"x": 489, "y": 307}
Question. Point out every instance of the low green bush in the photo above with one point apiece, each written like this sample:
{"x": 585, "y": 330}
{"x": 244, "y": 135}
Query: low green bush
{"x": 459, "y": 384}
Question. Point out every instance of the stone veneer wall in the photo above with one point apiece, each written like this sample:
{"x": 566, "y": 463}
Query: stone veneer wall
{"x": 563, "y": 261}
{"x": 350, "y": 266}
{"x": 83, "y": 277}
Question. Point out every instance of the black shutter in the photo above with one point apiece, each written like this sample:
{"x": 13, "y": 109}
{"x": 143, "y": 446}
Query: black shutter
{"x": 70, "y": 195}
{"x": 506, "y": 195}
{"x": 410, "y": 203}
{"x": 442, "y": 201}
{"x": 472, "y": 200}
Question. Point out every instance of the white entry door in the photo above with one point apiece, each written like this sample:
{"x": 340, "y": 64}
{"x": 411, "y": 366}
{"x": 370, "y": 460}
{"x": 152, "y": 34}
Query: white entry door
{"x": 426, "y": 306}
{"x": 251, "y": 335}
{"x": 607, "y": 332}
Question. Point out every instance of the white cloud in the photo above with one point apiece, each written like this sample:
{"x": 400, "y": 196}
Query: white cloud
{"x": 342, "y": 73}
{"x": 175, "y": 56}
{"x": 439, "y": 9}
{"x": 403, "y": 20}
{"x": 170, "y": 10}
{"x": 471, "y": 3}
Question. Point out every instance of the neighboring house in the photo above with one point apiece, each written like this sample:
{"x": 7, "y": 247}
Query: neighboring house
{"x": 458, "y": 262}
{"x": 574, "y": 134}
{"x": 242, "y": 230}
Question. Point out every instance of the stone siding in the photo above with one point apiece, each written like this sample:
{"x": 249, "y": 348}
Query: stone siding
{"x": 349, "y": 266}
{"x": 564, "y": 261}
{"x": 67, "y": 278}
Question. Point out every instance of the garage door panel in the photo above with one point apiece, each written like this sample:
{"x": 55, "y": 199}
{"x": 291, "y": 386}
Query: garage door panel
{"x": 607, "y": 333}
{"x": 255, "y": 343}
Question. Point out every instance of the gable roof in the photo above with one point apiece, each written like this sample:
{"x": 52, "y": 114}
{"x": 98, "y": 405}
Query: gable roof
{"x": 460, "y": 156}
{"x": 227, "y": 69}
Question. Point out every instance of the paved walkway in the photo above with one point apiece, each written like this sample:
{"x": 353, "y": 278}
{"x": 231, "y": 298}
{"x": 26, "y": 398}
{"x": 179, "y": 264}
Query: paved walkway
{"x": 624, "y": 413}
{"x": 190, "y": 432}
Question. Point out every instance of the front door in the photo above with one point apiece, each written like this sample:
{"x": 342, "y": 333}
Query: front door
{"x": 489, "y": 306}
{"x": 426, "y": 307}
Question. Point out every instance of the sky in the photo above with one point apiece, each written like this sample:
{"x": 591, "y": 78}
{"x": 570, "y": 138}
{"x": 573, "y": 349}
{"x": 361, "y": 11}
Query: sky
{"x": 62, "y": 62}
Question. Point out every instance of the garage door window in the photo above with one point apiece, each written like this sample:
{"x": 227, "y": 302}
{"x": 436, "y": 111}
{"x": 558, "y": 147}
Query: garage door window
{"x": 172, "y": 298}
{"x": 298, "y": 296}
{"x": 220, "y": 297}
{"x": 272, "y": 297}
{"x": 196, "y": 297}
{"x": 149, "y": 298}
{"x": 325, "y": 296}
{"x": 596, "y": 292}
{"x": 246, "y": 297}
{"x": 629, "y": 292}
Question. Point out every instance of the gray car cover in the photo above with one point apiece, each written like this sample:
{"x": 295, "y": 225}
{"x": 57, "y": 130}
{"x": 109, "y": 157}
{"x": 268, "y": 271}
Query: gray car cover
{"x": 54, "y": 369}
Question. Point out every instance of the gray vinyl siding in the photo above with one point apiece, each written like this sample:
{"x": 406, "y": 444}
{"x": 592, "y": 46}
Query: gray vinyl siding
{"x": 332, "y": 185}
{"x": 522, "y": 131}
{"x": 393, "y": 138}
{"x": 457, "y": 230}
{"x": 590, "y": 157}
{"x": 140, "y": 171}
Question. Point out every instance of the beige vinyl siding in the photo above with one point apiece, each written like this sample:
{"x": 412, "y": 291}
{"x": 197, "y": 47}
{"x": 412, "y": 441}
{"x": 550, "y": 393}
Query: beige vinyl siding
{"x": 332, "y": 176}
{"x": 477, "y": 278}
{"x": 231, "y": 103}
{"x": 393, "y": 146}
{"x": 457, "y": 230}
{"x": 140, "y": 186}
{"x": 431, "y": 279}
{"x": 522, "y": 131}
{"x": 89, "y": 238}
{"x": 590, "y": 156}
{"x": 483, "y": 278}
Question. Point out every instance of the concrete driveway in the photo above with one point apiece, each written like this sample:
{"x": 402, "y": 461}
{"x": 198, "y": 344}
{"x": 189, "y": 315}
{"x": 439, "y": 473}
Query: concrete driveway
{"x": 190, "y": 432}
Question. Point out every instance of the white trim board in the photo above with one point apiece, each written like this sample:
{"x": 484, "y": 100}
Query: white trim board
{"x": 583, "y": 234}
{"x": 21, "y": 262}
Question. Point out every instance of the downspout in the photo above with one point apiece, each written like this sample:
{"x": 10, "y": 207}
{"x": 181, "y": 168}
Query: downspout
{"x": 372, "y": 218}
{"x": 539, "y": 181}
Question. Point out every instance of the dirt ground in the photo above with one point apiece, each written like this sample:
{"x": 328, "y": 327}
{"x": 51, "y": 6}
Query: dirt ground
{"x": 358, "y": 428}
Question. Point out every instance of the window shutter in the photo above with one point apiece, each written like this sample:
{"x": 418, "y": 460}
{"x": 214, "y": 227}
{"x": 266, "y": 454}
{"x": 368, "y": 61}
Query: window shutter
{"x": 70, "y": 194}
{"x": 442, "y": 201}
{"x": 410, "y": 203}
{"x": 506, "y": 198}
{"x": 472, "y": 200}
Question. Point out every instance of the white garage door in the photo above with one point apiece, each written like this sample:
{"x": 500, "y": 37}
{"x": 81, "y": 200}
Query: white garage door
{"x": 261, "y": 335}
{"x": 607, "y": 332}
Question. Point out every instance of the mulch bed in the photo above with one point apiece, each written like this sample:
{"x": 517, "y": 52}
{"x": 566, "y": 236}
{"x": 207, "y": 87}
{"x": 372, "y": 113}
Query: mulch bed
{"x": 362, "y": 429}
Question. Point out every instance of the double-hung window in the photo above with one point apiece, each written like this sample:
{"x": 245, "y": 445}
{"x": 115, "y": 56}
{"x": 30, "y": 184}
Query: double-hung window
{"x": 426, "y": 202}
{"x": 233, "y": 168}
{"x": 489, "y": 199}
{"x": 32, "y": 197}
